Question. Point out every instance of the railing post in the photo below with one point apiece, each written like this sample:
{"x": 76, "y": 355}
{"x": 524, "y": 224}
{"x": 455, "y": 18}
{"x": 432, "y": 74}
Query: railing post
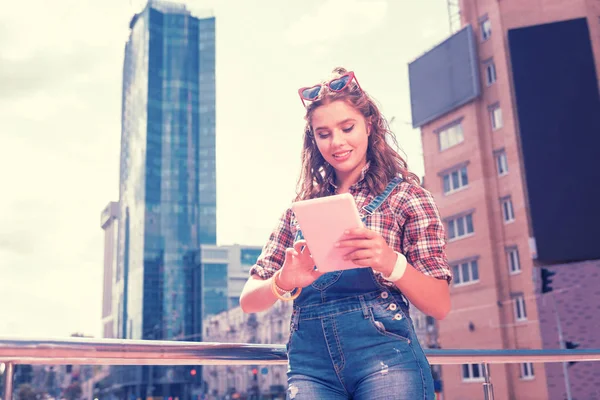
{"x": 8, "y": 380}
{"x": 488, "y": 388}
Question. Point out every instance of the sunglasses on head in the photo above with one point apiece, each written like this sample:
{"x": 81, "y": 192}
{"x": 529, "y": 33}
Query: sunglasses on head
{"x": 335, "y": 85}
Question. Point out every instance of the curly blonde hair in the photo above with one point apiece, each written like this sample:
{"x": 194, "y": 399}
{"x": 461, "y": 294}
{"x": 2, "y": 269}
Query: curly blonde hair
{"x": 384, "y": 162}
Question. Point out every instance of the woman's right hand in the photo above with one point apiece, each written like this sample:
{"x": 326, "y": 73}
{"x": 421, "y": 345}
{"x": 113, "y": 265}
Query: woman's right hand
{"x": 298, "y": 269}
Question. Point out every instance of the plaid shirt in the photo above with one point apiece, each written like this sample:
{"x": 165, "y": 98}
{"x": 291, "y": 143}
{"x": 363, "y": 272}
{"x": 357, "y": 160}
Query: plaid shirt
{"x": 408, "y": 220}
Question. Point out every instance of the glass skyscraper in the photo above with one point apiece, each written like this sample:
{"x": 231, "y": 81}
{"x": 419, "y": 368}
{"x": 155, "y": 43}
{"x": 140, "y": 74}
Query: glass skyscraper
{"x": 167, "y": 171}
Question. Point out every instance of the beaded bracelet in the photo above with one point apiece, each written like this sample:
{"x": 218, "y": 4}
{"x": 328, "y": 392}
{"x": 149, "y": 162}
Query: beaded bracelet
{"x": 276, "y": 289}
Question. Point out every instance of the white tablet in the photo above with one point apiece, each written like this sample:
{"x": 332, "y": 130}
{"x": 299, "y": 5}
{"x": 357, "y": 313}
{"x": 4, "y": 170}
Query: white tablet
{"x": 323, "y": 222}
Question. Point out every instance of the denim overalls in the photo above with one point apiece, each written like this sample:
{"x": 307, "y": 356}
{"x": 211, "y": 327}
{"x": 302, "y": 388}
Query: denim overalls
{"x": 352, "y": 337}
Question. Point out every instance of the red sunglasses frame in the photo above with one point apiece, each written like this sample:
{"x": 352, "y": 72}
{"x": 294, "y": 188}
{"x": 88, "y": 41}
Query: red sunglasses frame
{"x": 328, "y": 85}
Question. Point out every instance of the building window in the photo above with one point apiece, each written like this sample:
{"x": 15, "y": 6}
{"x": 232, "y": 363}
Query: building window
{"x": 455, "y": 180}
{"x": 466, "y": 272}
{"x": 451, "y": 136}
{"x": 496, "y": 117}
{"x": 472, "y": 373}
{"x": 508, "y": 213}
{"x": 501, "y": 163}
{"x": 430, "y": 323}
{"x": 490, "y": 72}
{"x": 527, "y": 371}
{"x": 514, "y": 265}
{"x": 520, "y": 310}
{"x": 418, "y": 320}
{"x": 215, "y": 254}
{"x": 486, "y": 29}
{"x": 460, "y": 227}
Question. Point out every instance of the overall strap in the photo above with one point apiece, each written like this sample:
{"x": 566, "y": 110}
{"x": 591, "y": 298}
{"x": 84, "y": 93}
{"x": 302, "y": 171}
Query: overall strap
{"x": 377, "y": 201}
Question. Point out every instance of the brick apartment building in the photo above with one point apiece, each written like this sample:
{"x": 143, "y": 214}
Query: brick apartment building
{"x": 509, "y": 112}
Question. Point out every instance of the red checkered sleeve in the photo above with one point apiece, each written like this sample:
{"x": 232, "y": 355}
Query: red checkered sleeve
{"x": 273, "y": 254}
{"x": 424, "y": 239}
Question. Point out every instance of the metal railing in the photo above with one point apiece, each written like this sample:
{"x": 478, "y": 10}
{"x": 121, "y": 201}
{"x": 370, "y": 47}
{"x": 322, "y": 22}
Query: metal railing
{"x": 83, "y": 351}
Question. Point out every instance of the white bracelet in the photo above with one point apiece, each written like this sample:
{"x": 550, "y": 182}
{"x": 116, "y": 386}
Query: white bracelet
{"x": 399, "y": 268}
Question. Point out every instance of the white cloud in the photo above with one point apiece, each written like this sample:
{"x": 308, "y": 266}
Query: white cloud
{"x": 337, "y": 19}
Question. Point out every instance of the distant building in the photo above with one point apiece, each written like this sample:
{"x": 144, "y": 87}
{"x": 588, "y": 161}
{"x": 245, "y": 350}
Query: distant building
{"x": 509, "y": 112}
{"x": 268, "y": 327}
{"x": 225, "y": 270}
{"x": 167, "y": 189}
{"x": 168, "y": 171}
{"x": 109, "y": 223}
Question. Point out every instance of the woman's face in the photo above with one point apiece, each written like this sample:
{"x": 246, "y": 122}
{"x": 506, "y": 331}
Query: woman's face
{"x": 342, "y": 137}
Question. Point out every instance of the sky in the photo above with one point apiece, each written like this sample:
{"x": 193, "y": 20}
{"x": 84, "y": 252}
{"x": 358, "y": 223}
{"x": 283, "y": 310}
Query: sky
{"x": 60, "y": 104}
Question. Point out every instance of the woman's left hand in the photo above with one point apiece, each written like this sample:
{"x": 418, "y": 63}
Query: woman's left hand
{"x": 371, "y": 250}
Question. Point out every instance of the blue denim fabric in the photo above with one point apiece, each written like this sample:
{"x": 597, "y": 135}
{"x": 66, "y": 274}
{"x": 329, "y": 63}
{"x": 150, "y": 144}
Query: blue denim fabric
{"x": 352, "y": 338}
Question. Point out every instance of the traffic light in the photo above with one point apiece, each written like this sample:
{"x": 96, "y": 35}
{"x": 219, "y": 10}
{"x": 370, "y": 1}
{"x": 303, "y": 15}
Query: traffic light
{"x": 547, "y": 280}
{"x": 571, "y": 346}
{"x": 195, "y": 374}
{"x": 255, "y": 373}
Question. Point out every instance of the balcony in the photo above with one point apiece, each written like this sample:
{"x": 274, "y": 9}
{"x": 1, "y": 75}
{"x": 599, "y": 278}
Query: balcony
{"x": 82, "y": 351}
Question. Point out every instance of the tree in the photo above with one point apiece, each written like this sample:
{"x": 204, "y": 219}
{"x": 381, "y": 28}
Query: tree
{"x": 73, "y": 392}
{"x": 26, "y": 392}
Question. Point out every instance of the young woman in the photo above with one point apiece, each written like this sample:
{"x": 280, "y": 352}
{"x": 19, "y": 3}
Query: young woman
{"x": 351, "y": 333}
